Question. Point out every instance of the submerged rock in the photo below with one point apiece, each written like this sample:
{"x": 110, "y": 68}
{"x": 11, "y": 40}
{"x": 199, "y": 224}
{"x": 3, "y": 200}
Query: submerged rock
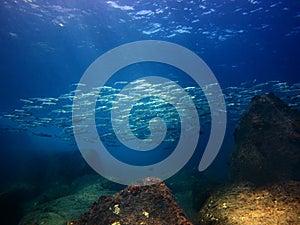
{"x": 242, "y": 204}
{"x": 264, "y": 163}
{"x": 267, "y": 142}
{"x": 150, "y": 204}
{"x": 60, "y": 204}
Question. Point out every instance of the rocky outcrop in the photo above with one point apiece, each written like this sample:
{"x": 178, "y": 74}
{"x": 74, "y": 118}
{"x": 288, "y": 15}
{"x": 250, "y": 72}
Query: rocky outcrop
{"x": 151, "y": 204}
{"x": 265, "y": 165}
{"x": 267, "y": 142}
{"x": 242, "y": 204}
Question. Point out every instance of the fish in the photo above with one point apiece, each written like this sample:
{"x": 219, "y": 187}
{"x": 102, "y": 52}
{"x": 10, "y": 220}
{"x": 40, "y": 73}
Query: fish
{"x": 27, "y": 101}
{"x": 78, "y": 85}
{"x": 42, "y": 135}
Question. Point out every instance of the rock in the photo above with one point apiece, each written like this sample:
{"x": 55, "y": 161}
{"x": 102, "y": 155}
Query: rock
{"x": 60, "y": 204}
{"x": 267, "y": 142}
{"x": 150, "y": 204}
{"x": 11, "y": 199}
{"x": 242, "y": 204}
{"x": 264, "y": 162}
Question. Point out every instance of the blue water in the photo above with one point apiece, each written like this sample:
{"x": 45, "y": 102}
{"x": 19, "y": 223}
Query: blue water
{"x": 46, "y": 46}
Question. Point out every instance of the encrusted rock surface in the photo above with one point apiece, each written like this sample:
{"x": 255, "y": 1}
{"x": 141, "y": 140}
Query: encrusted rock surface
{"x": 244, "y": 204}
{"x": 265, "y": 167}
{"x": 267, "y": 142}
{"x": 151, "y": 204}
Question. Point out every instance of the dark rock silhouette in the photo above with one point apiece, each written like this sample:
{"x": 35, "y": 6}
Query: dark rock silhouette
{"x": 267, "y": 142}
{"x": 265, "y": 166}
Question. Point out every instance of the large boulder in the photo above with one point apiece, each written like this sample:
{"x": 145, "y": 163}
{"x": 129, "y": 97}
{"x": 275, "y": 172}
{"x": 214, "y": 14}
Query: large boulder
{"x": 150, "y": 204}
{"x": 267, "y": 142}
{"x": 244, "y": 203}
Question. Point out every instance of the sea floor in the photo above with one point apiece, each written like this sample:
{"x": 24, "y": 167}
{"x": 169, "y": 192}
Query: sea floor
{"x": 60, "y": 203}
{"x": 203, "y": 199}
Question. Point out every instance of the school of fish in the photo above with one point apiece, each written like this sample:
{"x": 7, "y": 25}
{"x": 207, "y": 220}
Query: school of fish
{"x": 52, "y": 117}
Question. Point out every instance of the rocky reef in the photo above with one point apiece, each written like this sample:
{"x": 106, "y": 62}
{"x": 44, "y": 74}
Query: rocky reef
{"x": 265, "y": 166}
{"x": 264, "y": 188}
{"x": 267, "y": 142}
{"x": 243, "y": 203}
{"x": 70, "y": 201}
{"x": 151, "y": 204}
